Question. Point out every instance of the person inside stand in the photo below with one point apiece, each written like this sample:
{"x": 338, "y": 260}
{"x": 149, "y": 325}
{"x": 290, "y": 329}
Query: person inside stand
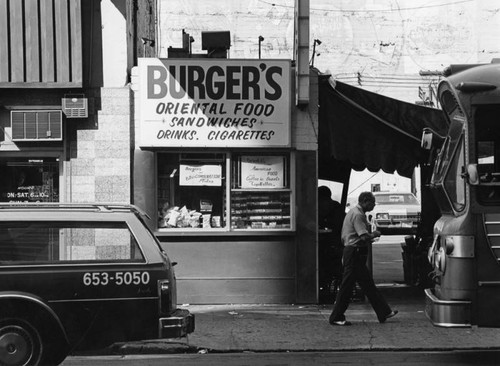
{"x": 327, "y": 208}
{"x": 330, "y": 216}
{"x": 356, "y": 237}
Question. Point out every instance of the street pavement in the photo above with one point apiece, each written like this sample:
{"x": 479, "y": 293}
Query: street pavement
{"x": 305, "y": 327}
{"x": 295, "y": 327}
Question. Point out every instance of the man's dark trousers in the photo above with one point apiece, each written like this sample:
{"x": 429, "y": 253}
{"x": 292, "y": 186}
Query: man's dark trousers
{"x": 355, "y": 270}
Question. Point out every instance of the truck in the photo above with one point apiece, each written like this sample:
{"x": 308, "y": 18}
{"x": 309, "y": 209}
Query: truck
{"x": 465, "y": 181}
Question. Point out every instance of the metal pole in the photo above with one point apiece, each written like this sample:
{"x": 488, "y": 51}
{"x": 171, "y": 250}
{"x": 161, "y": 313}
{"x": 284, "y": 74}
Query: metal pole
{"x": 260, "y": 43}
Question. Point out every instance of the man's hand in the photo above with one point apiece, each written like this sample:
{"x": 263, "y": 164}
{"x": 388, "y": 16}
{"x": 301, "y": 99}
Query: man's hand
{"x": 376, "y": 234}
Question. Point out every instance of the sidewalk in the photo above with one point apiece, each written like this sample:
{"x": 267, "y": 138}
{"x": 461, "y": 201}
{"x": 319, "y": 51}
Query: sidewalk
{"x": 282, "y": 328}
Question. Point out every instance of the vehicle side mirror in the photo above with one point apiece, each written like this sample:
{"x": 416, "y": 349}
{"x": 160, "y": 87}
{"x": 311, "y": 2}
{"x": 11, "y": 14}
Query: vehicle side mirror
{"x": 431, "y": 139}
{"x": 426, "y": 142}
{"x": 472, "y": 175}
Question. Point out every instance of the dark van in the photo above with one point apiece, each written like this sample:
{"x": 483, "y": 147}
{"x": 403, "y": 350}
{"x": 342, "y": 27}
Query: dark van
{"x": 77, "y": 277}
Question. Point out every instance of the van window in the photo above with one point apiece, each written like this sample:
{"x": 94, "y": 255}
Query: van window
{"x": 56, "y": 242}
{"x": 454, "y": 184}
{"x": 487, "y": 145}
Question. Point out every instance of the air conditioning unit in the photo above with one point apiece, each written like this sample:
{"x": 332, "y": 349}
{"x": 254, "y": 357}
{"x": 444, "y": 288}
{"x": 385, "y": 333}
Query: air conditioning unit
{"x": 75, "y": 106}
{"x": 36, "y": 125}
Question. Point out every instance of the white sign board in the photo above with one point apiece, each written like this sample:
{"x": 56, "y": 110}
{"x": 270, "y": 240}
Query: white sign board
{"x": 214, "y": 102}
{"x": 200, "y": 175}
{"x": 262, "y": 172}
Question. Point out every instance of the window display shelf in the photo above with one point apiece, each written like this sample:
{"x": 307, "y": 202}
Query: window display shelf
{"x": 265, "y": 210}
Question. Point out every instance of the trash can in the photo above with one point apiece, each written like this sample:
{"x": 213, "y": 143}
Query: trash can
{"x": 410, "y": 260}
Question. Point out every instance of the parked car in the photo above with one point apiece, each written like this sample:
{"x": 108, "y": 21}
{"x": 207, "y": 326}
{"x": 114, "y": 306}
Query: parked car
{"x": 80, "y": 277}
{"x": 395, "y": 213}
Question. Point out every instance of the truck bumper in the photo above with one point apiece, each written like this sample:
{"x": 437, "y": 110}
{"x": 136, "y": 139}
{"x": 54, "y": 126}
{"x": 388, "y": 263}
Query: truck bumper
{"x": 447, "y": 313}
{"x": 180, "y": 324}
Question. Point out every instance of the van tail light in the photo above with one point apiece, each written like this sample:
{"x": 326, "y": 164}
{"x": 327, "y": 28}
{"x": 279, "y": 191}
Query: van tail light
{"x": 165, "y": 292}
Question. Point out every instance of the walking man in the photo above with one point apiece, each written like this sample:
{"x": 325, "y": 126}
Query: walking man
{"x": 356, "y": 238}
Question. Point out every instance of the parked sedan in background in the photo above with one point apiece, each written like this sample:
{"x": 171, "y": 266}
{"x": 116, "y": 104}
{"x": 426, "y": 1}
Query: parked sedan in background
{"x": 396, "y": 213}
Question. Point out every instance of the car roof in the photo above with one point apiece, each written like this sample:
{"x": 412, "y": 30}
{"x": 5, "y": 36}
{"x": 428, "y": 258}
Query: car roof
{"x": 50, "y": 211}
{"x": 390, "y": 193}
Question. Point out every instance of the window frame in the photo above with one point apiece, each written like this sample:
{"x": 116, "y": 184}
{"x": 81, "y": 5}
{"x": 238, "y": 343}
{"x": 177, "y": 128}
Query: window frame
{"x": 457, "y": 167}
{"x": 230, "y": 157}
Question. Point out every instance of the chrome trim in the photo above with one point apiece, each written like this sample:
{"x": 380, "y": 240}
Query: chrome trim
{"x": 234, "y": 278}
{"x": 488, "y": 283}
{"x": 428, "y": 292}
{"x": 447, "y": 313}
{"x": 491, "y": 224}
{"x": 59, "y": 265}
{"x": 449, "y": 325}
{"x": 463, "y": 246}
{"x": 108, "y": 299}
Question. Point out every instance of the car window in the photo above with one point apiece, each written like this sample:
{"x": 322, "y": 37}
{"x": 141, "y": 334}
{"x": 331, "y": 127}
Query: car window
{"x": 395, "y": 199}
{"x": 56, "y": 242}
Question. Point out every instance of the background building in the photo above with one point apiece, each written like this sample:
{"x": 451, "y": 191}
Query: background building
{"x": 72, "y": 125}
{"x": 65, "y": 103}
{"x": 385, "y": 46}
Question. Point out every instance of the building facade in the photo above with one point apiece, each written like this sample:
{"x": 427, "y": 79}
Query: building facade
{"x": 233, "y": 201}
{"x": 65, "y": 119}
{"x": 225, "y": 168}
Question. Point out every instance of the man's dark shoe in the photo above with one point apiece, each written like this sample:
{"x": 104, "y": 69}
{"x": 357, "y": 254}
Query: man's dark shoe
{"x": 341, "y": 323}
{"x": 390, "y": 315}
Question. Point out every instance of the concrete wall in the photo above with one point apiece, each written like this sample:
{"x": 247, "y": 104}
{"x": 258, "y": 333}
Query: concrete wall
{"x": 387, "y": 41}
{"x": 99, "y": 164}
{"x": 98, "y": 167}
{"x": 114, "y": 38}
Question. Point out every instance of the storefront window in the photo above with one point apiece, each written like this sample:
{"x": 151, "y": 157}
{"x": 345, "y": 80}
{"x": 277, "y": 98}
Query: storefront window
{"x": 29, "y": 180}
{"x": 260, "y": 192}
{"x": 193, "y": 192}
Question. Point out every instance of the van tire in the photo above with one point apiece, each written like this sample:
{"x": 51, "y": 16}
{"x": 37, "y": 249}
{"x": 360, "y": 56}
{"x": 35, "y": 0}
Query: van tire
{"x": 20, "y": 343}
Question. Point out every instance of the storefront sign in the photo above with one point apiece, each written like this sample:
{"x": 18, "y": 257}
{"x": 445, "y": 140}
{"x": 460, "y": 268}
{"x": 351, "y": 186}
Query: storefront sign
{"x": 28, "y": 194}
{"x": 262, "y": 172}
{"x": 214, "y": 102}
{"x": 200, "y": 175}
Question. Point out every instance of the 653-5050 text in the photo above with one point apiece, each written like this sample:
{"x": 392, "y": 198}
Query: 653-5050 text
{"x": 115, "y": 278}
